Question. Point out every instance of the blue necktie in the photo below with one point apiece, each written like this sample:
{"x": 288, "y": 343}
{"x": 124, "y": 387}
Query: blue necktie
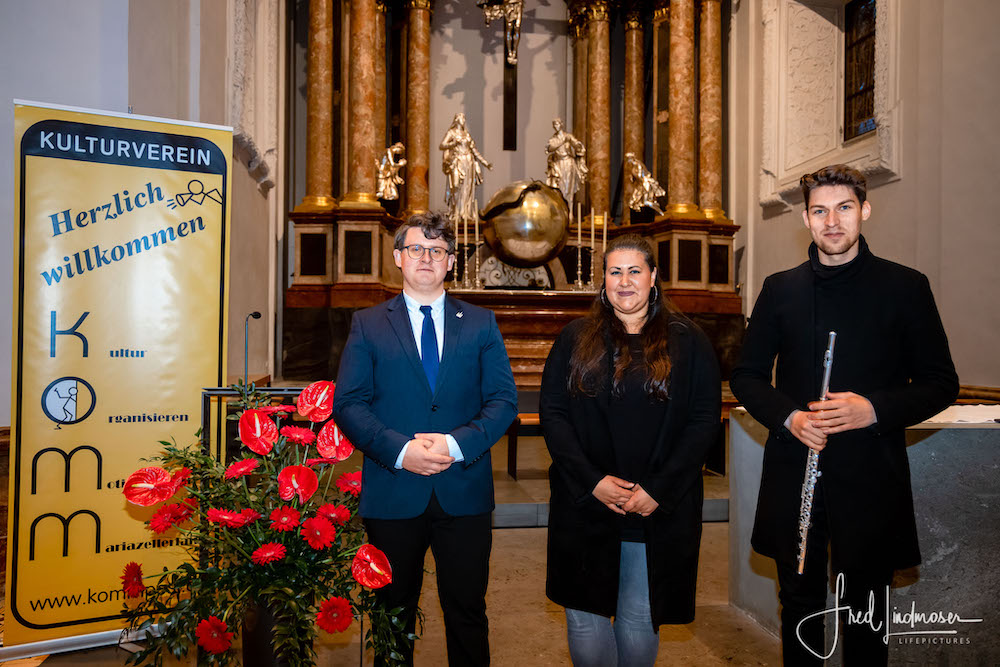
{"x": 429, "y": 347}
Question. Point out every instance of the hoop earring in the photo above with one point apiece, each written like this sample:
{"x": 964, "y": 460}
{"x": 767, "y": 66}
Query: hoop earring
{"x": 654, "y": 294}
{"x": 604, "y": 298}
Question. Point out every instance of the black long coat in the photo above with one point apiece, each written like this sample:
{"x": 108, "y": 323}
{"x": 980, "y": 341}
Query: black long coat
{"x": 584, "y": 541}
{"x": 891, "y": 348}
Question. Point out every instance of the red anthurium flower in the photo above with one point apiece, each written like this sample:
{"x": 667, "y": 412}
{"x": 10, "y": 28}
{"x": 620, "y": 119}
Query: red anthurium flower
{"x": 272, "y": 409}
{"x": 241, "y": 467}
{"x": 318, "y": 532}
{"x": 132, "y": 580}
{"x": 316, "y": 401}
{"x": 212, "y": 635}
{"x": 148, "y": 486}
{"x": 350, "y": 482}
{"x": 268, "y": 553}
{"x": 371, "y": 568}
{"x": 300, "y": 480}
{"x": 297, "y": 434}
{"x": 169, "y": 516}
{"x": 258, "y": 432}
{"x": 334, "y": 614}
{"x": 338, "y": 514}
{"x": 319, "y": 462}
{"x": 331, "y": 443}
{"x": 180, "y": 478}
{"x": 284, "y": 519}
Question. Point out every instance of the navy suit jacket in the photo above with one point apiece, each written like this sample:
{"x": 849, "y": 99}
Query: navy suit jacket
{"x": 383, "y": 398}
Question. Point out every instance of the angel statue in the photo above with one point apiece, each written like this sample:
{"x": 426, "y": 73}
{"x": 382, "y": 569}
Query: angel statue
{"x": 389, "y": 179}
{"x": 510, "y": 11}
{"x": 566, "y": 165}
{"x": 461, "y": 164}
{"x": 645, "y": 189}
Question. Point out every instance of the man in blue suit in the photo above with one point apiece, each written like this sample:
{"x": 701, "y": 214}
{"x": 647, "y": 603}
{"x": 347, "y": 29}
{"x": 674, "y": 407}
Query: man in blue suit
{"x": 424, "y": 390}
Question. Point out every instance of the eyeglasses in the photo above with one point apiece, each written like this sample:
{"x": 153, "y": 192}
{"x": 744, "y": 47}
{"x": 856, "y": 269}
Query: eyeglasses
{"x": 416, "y": 251}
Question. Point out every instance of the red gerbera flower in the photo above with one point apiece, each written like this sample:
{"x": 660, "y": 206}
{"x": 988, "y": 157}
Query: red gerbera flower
{"x": 132, "y": 580}
{"x": 231, "y": 519}
{"x": 148, "y": 486}
{"x": 371, "y": 568}
{"x": 350, "y": 482}
{"x": 212, "y": 635}
{"x": 300, "y": 480}
{"x": 332, "y": 444}
{"x": 302, "y": 436}
{"x": 284, "y": 519}
{"x": 318, "y": 532}
{"x": 268, "y": 553}
{"x": 272, "y": 409}
{"x": 241, "y": 467}
{"x": 258, "y": 432}
{"x": 316, "y": 401}
{"x": 169, "y": 516}
{"x": 334, "y": 614}
{"x": 337, "y": 514}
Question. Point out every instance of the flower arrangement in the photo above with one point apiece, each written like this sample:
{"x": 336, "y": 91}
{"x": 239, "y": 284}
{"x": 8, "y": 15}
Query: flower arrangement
{"x": 275, "y": 530}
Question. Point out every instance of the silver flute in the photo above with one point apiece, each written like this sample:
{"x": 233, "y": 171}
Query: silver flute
{"x": 812, "y": 463}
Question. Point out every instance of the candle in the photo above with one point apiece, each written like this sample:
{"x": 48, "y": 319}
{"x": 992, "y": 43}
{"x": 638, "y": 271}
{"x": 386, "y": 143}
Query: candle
{"x": 593, "y": 222}
{"x": 605, "y": 246}
{"x": 579, "y": 226}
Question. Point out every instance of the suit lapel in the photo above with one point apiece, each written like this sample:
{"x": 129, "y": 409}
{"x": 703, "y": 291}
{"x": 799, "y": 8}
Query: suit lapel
{"x": 453, "y": 320}
{"x": 399, "y": 318}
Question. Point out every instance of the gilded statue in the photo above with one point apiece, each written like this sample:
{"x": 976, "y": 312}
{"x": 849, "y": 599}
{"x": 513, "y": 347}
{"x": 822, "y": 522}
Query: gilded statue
{"x": 389, "y": 179}
{"x": 566, "y": 163}
{"x": 645, "y": 189}
{"x": 510, "y": 11}
{"x": 461, "y": 164}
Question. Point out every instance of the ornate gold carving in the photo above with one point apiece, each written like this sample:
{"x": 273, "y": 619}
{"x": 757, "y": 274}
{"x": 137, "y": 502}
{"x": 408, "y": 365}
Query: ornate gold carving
{"x": 598, "y": 10}
{"x": 662, "y": 11}
{"x": 380, "y": 5}
{"x": 578, "y": 20}
{"x": 419, "y": 4}
{"x": 633, "y": 19}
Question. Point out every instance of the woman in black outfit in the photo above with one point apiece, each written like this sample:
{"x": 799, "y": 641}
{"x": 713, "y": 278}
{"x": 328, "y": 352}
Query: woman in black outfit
{"x": 629, "y": 408}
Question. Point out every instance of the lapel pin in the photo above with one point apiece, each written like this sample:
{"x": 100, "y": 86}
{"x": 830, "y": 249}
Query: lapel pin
{"x": 459, "y": 314}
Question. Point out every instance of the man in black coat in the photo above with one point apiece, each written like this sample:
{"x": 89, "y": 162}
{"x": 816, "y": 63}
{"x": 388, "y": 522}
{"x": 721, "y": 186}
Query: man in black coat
{"x": 891, "y": 369}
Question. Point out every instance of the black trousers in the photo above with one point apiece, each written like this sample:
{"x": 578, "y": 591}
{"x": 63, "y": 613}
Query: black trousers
{"x": 461, "y": 546}
{"x": 862, "y": 630}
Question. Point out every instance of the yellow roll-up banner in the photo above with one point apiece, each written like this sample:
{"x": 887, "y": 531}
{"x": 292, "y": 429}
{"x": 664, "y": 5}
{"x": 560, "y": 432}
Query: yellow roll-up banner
{"x": 120, "y": 285}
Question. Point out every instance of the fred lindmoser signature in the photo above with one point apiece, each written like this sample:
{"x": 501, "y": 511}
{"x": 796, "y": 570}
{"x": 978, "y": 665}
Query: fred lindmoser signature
{"x": 908, "y": 619}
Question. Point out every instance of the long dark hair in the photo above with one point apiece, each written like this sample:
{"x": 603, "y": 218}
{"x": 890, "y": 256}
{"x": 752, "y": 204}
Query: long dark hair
{"x": 588, "y": 365}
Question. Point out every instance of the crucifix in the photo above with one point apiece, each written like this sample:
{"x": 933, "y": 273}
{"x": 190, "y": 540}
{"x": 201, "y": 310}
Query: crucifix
{"x": 510, "y": 11}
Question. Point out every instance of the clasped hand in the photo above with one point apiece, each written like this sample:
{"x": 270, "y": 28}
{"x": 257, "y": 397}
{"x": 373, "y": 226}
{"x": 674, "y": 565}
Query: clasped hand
{"x": 621, "y": 496}
{"x": 427, "y": 454}
{"x": 842, "y": 411}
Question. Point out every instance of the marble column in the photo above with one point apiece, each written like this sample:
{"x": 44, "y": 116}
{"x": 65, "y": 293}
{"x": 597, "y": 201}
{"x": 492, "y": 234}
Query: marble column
{"x": 634, "y": 122}
{"x": 361, "y": 129}
{"x": 381, "y": 96}
{"x": 681, "y": 167}
{"x": 319, "y": 110}
{"x": 418, "y": 104}
{"x": 710, "y": 111}
{"x": 599, "y": 104}
{"x": 578, "y": 35}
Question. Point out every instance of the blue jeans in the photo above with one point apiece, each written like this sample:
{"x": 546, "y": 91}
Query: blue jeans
{"x": 632, "y": 641}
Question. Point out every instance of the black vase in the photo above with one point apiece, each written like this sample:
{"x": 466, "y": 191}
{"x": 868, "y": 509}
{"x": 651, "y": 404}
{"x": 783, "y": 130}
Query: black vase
{"x": 258, "y": 641}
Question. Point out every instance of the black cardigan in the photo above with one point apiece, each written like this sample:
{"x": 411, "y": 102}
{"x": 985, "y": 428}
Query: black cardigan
{"x": 891, "y": 348}
{"x": 584, "y": 536}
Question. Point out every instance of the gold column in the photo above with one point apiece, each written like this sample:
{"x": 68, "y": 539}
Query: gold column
{"x": 710, "y": 111}
{"x": 361, "y": 81}
{"x": 599, "y": 104}
{"x": 681, "y": 167}
{"x": 381, "y": 141}
{"x": 634, "y": 123}
{"x": 319, "y": 110}
{"x": 418, "y": 104}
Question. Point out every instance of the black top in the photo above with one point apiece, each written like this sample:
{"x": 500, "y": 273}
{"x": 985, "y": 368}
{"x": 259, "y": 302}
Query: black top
{"x": 634, "y": 419}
